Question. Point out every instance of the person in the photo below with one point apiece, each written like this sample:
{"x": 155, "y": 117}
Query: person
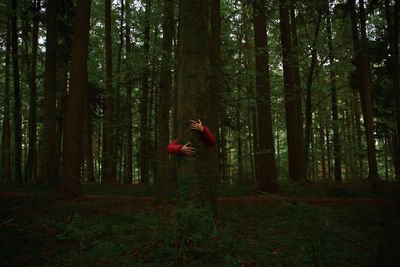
{"x": 187, "y": 150}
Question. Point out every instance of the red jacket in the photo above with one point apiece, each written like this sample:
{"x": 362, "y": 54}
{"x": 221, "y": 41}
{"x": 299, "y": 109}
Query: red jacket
{"x": 174, "y": 148}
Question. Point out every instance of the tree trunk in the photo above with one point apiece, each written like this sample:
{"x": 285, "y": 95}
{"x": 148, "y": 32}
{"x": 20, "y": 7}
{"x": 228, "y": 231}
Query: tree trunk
{"x": 108, "y": 174}
{"x": 144, "y": 135}
{"x": 49, "y": 168}
{"x": 70, "y": 186}
{"x": 89, "y": 133}
{"x": 364, "y": 87}
{"x": 30, "y": 167}
{"x": 128, "y": 80}
{"x": 308, "y": 91}
{"x": 17, "y": 98}
{"x": 393, "y": 32}
{"x": 6, "y": 143}
{"x": 293, "y": 126}
{"x": 265, "y": 150}
{"x": 164, "y": 104}
{"x": 193, "y": 102}
{"x": 335, "y": 119}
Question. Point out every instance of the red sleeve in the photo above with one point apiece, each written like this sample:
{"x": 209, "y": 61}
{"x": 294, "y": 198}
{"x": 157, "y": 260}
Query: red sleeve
{"x": 208, "y": 137}
{"x": 173, "y": 147}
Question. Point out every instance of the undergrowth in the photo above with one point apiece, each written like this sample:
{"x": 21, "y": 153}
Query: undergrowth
{"x": 40, "y": 231}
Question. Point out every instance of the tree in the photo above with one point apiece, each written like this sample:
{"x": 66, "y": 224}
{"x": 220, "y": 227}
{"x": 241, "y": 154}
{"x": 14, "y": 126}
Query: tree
{"x": 70, "y": 186}
{"x": 292, "y": 107}
{"x": 265, "y": 149}
{"x": 393, "y": 34}
{"x": 215, "y": 85}
{"x": 164, "y": 104}
{"x": 49, "y": 168}
{"x": 30, "y": 167}
{"x": 364, "y": 84}
{"x": 193, "y": 100}
{"x": 144, "y": 99}
{"x": 6, "y": 142}
{"x": 108, "y": 150}
{"x": 17, "y": 97}
{"x": 335, "y": 120}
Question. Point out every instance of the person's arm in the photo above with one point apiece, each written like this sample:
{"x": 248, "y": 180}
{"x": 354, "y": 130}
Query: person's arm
{"x": 208, "y": 136}
{"x": 174, "y": 148}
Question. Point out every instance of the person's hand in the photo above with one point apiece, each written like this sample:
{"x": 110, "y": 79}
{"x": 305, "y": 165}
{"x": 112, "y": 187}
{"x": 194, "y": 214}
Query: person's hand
{"x": 197, "y": 126}
{"x": 187, "y": 150}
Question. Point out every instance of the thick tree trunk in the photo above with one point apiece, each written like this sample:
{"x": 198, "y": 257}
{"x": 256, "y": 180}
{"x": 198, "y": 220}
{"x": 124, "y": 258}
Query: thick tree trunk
{"x": 49, "y": 168}
{"x": 108, "y": 174}
{"x": 361, "y": 55}
{"x": 193, "y": 102}
{"x": 70, "y": 186}
{"x": 6, "y": 142}
{"x": 265, "y": 150}
{"x": 164, "y": 104}
{"x": 393, "y": 32}
{"x": 335, "y": 119}
{"x": 144, "y": 135}
{"x": 293, "y": 126}
{"x": 17, "y": 98}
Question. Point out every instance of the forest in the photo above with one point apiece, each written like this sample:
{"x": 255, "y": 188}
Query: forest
{"x": 199, "y": 132}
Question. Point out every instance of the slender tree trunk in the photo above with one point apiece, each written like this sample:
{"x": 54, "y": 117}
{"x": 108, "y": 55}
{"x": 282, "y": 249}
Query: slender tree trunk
{"x": 308, "y": 91}
{"x": 164, "y": 104}
{"x": 129, "y": 145}
{"x": 70, "y": 186}
{"x": 335, "y": 119}
{"x": 322, "y": 144}
{"x": 293, "y": 126}
{"x": 49, "y": 168}
{"x": 6, "y": 142}
{"x": 30, "y": 167}
{"x": 395, "y": 155}
{"x": 108, "y": 174}
{"x": 144, "y": 135}
{"x": 17, "y": 98}
{"x": 393, "y": 32}
{"x": 265, "y": 149}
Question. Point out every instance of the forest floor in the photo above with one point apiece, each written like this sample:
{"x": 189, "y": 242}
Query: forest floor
{"x": 325, "y": 224}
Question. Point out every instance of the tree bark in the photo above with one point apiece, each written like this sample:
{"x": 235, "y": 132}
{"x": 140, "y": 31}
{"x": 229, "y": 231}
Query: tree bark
{"x": 30, "y": 167}
{"x": 393, "y": 34}
{"x": 6, "y": 142}
{"x": 193, "y": 101}
{"x": 293, "y": 126}
{"x": 164, "y": 104}
{"x": 361, "y": 56}
{"x": 335, "y": 119}
{"x": 17, "y": 97}
{"x": 129, "y": 145}
{"x": 108, "y": 174}
{"x": 49, "y": 168}
{"x": 70, "y": 186}
{"x": 308, "y": 92}
{"x": 144, "y": 99}
{"x": 265, "y": 149}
